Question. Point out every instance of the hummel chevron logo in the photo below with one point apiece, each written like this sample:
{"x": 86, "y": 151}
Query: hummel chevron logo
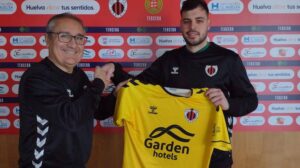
{"x": 41, "y": 121}
{"x": 40, "y": 143}
{"x": 37, "y": 154}
{"x": 37, "y": 165}
{"x": 42, "y": 132}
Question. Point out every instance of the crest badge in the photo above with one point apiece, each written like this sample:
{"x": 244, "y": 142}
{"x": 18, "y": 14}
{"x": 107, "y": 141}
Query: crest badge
{"x": 191, "y": 114}
{"x": 118, "y": 7}
{"x": 211, "y": 70}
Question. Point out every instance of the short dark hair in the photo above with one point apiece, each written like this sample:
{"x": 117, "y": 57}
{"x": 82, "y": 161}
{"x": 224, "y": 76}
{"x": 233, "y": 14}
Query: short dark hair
{"x": 52, "y": 21}
{"x": 192, "y": 4}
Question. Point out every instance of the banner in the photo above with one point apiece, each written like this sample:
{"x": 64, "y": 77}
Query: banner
{"x": 265, "y": 33}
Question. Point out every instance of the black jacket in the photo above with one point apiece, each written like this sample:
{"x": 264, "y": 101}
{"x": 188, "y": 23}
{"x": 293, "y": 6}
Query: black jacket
{"x": 56, "y": 116}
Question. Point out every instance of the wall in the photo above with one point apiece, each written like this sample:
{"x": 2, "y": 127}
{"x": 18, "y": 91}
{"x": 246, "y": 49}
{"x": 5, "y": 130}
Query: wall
{"x": 251, "y": 150}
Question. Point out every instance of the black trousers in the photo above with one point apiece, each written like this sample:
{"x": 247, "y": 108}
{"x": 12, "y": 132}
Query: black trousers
{"x": 221, "y": 159}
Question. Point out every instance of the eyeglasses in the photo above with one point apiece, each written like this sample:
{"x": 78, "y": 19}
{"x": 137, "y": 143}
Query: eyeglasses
{"x": 66, "y": 37}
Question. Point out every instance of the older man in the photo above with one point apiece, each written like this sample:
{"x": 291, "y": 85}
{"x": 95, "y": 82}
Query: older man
{"x": 58, "y": 102}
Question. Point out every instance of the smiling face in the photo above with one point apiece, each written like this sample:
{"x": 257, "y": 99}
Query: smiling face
{"x": 65, "y": 55}
{"x": 194, "y": 26}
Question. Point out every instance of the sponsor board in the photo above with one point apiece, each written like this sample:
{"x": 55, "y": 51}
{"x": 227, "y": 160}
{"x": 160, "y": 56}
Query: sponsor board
{"x": 274, "y": 7}
{"x": 281, "y": 86}
{"x": 270, "y": 74}
{"x": 16, "y": 110}
{"x": 16, "y": 75}
{"x": 284, "y": 108}
{"x": 3, "y": 76}
{"x": 3, "y": 54}
{"x": 225, "y": 7}
{"x": 7, "y": 7}
{"x": 280, "y": 120}
{"x": 82, "y": 7}
{"x": 4, "y": 124}
{"x": 4, "y": 111}
{"x": 139, "y": 53}
{"x": 23, "y": 53}
{"x": 111, "y": 40}
{"x": 170, "y": 41}
{"x": 259, "y": 109}
{"x": 111, "y": 53}
{"x": 252, "y": 120}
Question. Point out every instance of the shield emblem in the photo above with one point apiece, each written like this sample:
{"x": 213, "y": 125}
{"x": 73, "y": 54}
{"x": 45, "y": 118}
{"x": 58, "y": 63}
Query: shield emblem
{"x": 118, "y": 7}
{"x": 211, "y": 70}
{"x": 191, "y": 114}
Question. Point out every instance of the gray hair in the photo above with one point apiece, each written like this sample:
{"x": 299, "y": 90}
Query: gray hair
{"x": 52, "y": 21}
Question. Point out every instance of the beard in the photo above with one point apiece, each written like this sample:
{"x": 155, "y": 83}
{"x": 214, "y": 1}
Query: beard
{"x": 195, "y": 42}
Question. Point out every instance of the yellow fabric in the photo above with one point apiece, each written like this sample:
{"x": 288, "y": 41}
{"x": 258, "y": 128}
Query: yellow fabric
{"x": 158, "y": 133}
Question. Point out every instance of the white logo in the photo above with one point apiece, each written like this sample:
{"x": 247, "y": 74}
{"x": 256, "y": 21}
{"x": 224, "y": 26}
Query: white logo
{"x": 70, "y": 93}
{"x": 118, "y": 7}
{"x": 175, "y": 71}
{"x": 211, "y": 70}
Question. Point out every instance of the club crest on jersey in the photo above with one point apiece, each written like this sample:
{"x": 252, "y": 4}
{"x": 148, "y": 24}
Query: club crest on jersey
{"x": 211, "y": 70}
{"x": 118, "y": 7}
{"x": 191, "y": 114}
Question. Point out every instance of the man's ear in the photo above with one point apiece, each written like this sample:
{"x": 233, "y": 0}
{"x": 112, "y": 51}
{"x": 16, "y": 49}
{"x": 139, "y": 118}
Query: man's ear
{"x": 47, "y": 38}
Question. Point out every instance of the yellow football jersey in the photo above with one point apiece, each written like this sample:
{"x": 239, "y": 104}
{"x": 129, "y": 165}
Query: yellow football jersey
{"x": 168, "y": 131}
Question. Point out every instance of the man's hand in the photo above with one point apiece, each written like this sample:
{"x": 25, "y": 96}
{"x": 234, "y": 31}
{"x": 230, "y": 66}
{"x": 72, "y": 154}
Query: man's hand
{"x": 109, "y": 70}
{"x": 217, "y": 97}
{"x": 119, "y": 86}
{"x": 101, "y": 74}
